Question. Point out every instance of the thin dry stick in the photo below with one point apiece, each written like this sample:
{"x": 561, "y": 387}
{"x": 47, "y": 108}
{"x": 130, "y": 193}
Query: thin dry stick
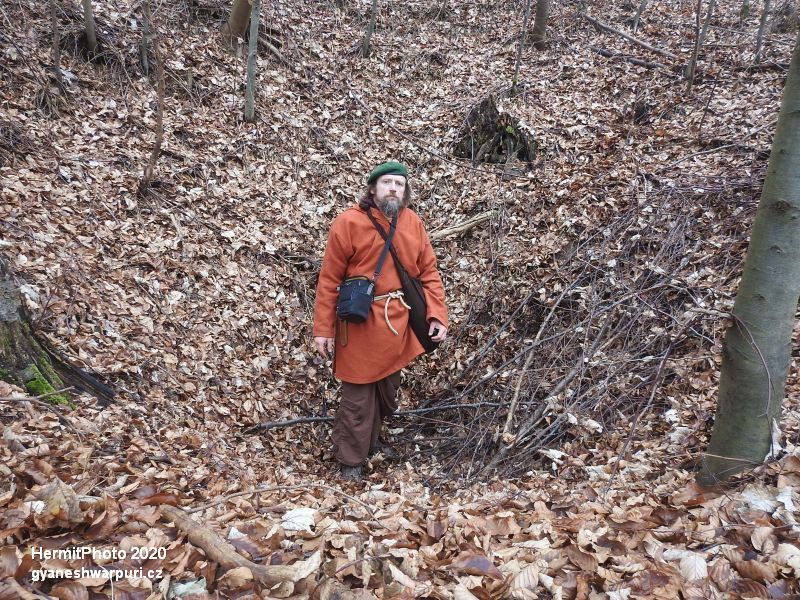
{"x": 281, "y": 488}
{"x": 647, "y": 64}
{"x": 151, "y": 163}
{"x": 646, "y": 406}
{"x": 403, "y": 413}
{"x": 464, "y": 226}
{"x": 515, "y": 399}
{"x": 40, "y": 400}
{"x": 718, "y": 148}
{"x": 628, "y": 37}
{"x": 41, "y": 397}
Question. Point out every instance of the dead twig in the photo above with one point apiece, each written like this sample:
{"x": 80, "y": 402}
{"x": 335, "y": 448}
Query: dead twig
{"x": 630, "y": 38}
{"x": 280, "y": 488}
{"x": 403, "y": 413}
{"x": 631, "y": 59}
{"x": 463, "y": 226}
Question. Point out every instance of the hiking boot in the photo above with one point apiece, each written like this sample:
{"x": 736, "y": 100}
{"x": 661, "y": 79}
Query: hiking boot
{"x": 352, "y": 473}
{"x": 388, "y": 452}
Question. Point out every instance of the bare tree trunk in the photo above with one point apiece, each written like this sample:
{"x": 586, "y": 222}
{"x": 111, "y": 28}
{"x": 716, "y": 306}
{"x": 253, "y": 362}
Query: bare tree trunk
{"x": 744, "y": 12}
{"x": 250, "y": 100}
{"x": 693, "y": 61}
{"x": 521, "y": 43}
{"x": 761, "y": 29}
{"x": 145, "y": 61}
{"x": 88, "y": 21}
{"x": 237, "y": 23}
{"x": 707, "y": 22}
{"x": 638, "y": 15}
{"x": 56, "y": 35}
{"x": 540, "y": 24}
{"x": 365, "y": 45}
{"x": 147, "y": 177}
{"x": 757, "y": 348}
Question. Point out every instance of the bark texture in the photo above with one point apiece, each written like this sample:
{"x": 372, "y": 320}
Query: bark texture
{"x": 761, "y": 29}
{"x": 540, "y": 24}
{"x": 237, "y": 22}
{"x": 756, "y": 351}
{"x": 147, "y": 176}
{"x": 250, "y": 94}
{"x": 88, "y": 19}
{"x": 365, "y": 45}
{"x": 522, "y": 39}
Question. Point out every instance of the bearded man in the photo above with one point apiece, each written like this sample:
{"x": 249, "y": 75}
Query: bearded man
{"x": 368, "y": 356}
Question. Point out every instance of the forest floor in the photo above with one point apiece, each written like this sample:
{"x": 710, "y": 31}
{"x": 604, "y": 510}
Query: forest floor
{"x": 593, "y": 302}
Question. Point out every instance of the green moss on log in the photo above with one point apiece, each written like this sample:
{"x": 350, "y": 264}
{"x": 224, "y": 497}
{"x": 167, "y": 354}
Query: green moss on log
{"x": 38, "y": 385}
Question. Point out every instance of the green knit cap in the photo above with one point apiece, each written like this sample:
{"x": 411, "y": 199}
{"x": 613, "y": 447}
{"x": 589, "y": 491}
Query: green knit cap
{"x": 388, "y": 168}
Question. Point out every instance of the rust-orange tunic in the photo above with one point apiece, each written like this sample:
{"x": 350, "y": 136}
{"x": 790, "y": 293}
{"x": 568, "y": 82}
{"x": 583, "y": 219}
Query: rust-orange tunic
{"x": 373, "y": 351}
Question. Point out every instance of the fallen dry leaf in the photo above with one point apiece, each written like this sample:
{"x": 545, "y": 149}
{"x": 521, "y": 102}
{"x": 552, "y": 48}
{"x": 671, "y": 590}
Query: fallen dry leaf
{"x": 475, "y": 564}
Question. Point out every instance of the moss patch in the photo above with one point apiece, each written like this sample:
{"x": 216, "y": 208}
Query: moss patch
{"x": 37, "y": 385}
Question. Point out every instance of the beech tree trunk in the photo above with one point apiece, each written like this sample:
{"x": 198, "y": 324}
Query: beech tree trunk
{"x": 522, "y": 39}
{"x": 250, "y": 94}
{"x": 365, "y": 45}
{"x": 744, "y": 11}
{"x": 709, "y": 15}
{"x": 761, "y": 29}
{"x": 540, "y": 24}
{"x": 88, "y": 20}
{"x": 147, "y": 176}
{"x": 237, "y": 22}
{"x": 638, "y": 15}
{"x": 56, "y": 41}
{"x": 690, "y": 68}
{"x": 756, "y": 351}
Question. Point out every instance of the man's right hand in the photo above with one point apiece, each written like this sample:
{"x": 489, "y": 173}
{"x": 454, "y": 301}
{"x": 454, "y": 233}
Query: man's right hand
{"x": 324, "y": 345}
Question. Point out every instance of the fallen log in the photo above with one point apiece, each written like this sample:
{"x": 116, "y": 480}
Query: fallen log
{"x": 28, "y": 360}
{"x": 403, "y": 413}
{"x": 218, "y": 550}
{"x": 633, "y": 60}
{"x": 464, "y": 226}
{"x": 630, "y": 38}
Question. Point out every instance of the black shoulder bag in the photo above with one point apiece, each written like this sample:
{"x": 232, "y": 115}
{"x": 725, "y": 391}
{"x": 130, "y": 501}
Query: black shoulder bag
{"x": 356, "y": 293}
{"x": 412, "y": 293}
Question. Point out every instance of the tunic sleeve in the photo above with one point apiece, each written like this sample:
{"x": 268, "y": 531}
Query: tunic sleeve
{"x": 334, "y": 265}
{"x": 431, "y": 281}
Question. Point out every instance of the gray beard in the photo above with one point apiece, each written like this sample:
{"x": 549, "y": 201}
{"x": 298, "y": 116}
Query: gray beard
{"x": 390, "y": 208}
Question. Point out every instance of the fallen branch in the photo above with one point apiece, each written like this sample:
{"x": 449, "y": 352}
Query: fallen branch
{"x": 628, "y": 37}
{"x": 218, "y": 550}
{"x": 636, "y": 61}
{"x": 464, "y": 226}
{"x": 280, "y": 488}
{"x": 718, "y": 148}
{"x": 403, "y": 413}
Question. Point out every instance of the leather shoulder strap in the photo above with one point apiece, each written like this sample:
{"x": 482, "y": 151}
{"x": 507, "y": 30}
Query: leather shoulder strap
{"x": 388, "y": 239}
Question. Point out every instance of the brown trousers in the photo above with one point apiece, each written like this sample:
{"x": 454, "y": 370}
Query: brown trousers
{"x": 358, "y": 421}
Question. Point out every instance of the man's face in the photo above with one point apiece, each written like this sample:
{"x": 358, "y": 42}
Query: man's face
{"x": 389, "y": 190}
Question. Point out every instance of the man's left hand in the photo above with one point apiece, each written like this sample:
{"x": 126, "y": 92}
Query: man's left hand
{"x": 441, "y": 331}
